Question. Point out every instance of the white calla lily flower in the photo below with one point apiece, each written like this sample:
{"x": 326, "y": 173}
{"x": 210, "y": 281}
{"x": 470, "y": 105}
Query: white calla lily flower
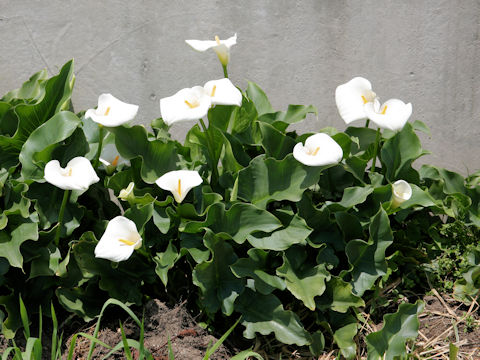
{"x": 319, "y": 150}
{"x": 392, "y": 115}
{"x": 221, "y": 47}
{"x": 351, "y": 98}
{"x": 77, "y": 175}
{"x": 112, "y": 112}
{"x": 223, "y": 92}
{"x": 187, "y": 104}
{"x": 111, "y": 157}
{"x": 119, "y": 240}
{"x": 402, "y": 191}
{"x": 179, "y": 182}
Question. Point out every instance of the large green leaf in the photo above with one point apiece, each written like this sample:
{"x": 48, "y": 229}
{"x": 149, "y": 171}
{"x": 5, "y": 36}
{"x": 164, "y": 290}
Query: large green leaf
{"x": 58, "y": 91}
{"x": 158, "y": 157}
{"x": 399, "y": 152}
{"x": 265, "y": 314}
{"x": 10, "y": 244}
{"x": 389, "y": 343}
{"x": 276, "y": 144}
{"x": 33, "y": 88}
{"x": 56, "y": 129}
{"x": 368, "y": 258}
{"x": 239, "y": 221}
{"x": 351, "y": 196}
{"x": 219, "y": 286}
{"x": 164, "y": 261}
{"x": 255, "y": 267}
{"x": 259, "y": 99}
{"x": 267, "y": 179}
{"x": 295, "y": 231}
{"x": 303, "y": 279}
{"x": 294, "y": 114}
{"x": 339, "y": 297}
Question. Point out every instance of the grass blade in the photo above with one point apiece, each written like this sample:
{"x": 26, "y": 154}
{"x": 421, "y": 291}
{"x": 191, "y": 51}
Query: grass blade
{"x": 126, "y": 347}
{"x": 24, "y": 317}
{"x": 219, "y": 342}
{"x": 88, "y": 336}
{"x": 170, "y": 351}
{"x": 40, "y": 322}
{"x": 54, "y": 333}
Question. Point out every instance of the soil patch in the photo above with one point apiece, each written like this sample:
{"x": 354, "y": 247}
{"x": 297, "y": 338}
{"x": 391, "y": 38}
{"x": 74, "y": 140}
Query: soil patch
{"x": 188, "y": 340}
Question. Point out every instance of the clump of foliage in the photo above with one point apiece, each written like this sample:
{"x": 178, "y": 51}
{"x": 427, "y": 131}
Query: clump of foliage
{"x": 297, "y": 251}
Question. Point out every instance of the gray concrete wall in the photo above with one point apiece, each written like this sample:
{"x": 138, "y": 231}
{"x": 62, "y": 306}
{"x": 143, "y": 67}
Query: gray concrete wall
{"x": 424, "y": 52}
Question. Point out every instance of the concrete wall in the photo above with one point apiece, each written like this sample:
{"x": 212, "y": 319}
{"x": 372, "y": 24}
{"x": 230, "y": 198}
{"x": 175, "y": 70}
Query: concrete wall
{"x": 424, "y": 52}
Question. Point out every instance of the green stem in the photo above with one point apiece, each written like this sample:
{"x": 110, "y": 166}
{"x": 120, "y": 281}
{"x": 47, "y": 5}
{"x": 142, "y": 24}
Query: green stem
{"x": 60, "y": 216}
{"x": 225, "y": 72}
{"x": 96, "y": 161}
{"x": 375, "y": 151}
{"x": 367, "y": 123}
{"x": 211, "y": 151}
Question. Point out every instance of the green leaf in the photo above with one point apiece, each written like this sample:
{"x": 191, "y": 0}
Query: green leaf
{"x": 255, "y": 267}
{"x": 265, "y": 314}
{"x": 57, "y": 129}
{"x": 389, "y": 342}
{"x": 339, "y": 297}
{"x": 193, "y": 244}
{"x": 219, "y": 286}
{"x": 238, "y": 222}
{"x": 317, "y": 343}
{"x": 58, "y": 91}
{"x": 295, "y": 231}
{"x": 157, "y": 157}
{"x": 303, "y": 280}
{"x": 399, "y": 152}
{"x": 31, "y": 89}
{"x": 368, "y": 258}
{"x": 365, "y": 137}
{"x": 280, "y": 120}
{"x": 343, "y": 337}
{"x": 351, "y": 196}
{"x": 421, "y": 126}
{"x": 247, "y": 354}
{"x": 165, "y": 261}
{"x": 259, "y": 99}
{"x": 140, "y": 215}
{"x": 275, "y": 143}
{"x": 267, "y": 179}
{"x": 10, "y": 245}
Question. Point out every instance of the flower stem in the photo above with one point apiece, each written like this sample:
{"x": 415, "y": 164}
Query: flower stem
{"x": 211, "y": 151}
{"x": 60, "y": 216}
{"x": 367, "y": 123}
{"x": 225, "y": 72}
{"x": 96, "y": 161}
{"x": 375, "y": 151}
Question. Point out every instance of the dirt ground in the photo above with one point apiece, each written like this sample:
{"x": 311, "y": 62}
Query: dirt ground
{"x": 188, "y": 340}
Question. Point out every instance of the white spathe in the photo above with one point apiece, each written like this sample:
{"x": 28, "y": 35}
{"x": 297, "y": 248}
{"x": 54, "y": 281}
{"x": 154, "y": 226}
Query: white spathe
{"x": 402, "y": 191}
{"x": 111, "y": 157}
{"x": 112, "y": 112}
{"x": 77, "y": 175}
{"x": 119, "y": 240}
{"x": 319, "y": 150}
{"x": 194, "y": 103}
{"x": 179, "y": 182}
{"x": 351, "y": 98}
{"x": 221, "y": 47}
{"x": 187, "y": 104}
{"x": 223, "y": 92}
{"x": 127, "y": 193}
{"x": 392, "y": 115}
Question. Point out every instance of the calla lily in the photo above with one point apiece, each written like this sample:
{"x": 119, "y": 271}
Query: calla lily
{"x": 319, "y": 150}
{"x": 187, "y": 104}
{"x": 112, "y": 112}
{"x": 402, "y": 191}
{"x": 179, "y": 182}
{"x": 111, "y": 157}
{"x": 392, "y": 115}
{"x": 223, "y": 92}
{"x": 77, "y": 175}
{"x": 127, "y": 193}
{"x": 351, "y": 98}
{"x": 221, "y": 47}
{"x": 119, "y": 240}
